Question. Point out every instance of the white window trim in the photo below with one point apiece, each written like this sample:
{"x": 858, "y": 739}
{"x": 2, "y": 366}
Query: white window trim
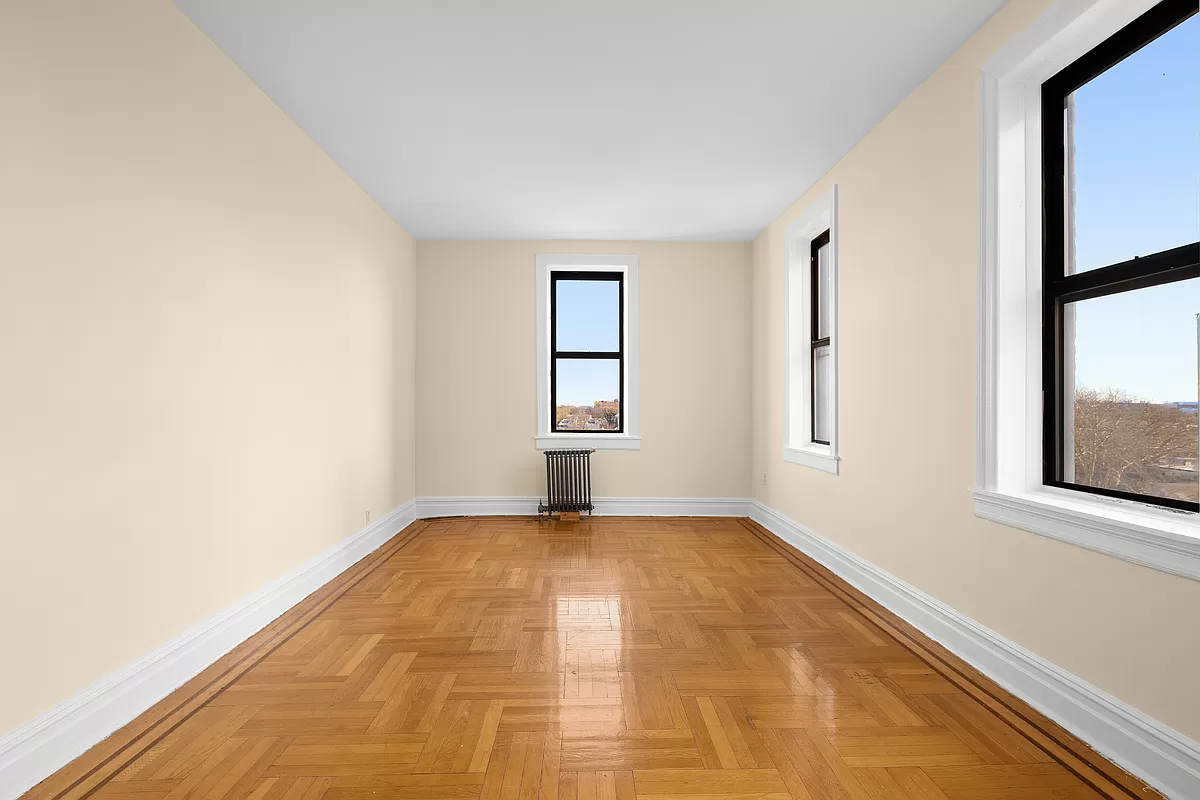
{"x": 1008, "y": 426}
{"x": 631, "y": 438}
{"x": 798, "y": 447}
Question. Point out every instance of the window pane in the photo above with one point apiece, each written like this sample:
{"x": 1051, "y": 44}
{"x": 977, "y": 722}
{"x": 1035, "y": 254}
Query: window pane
{"x": 1134, "y": 400}
{"x": 1136, "y": 153}
{"x": 822, "y": 406}
{"x": 587, "y": 396}
{"x": 823, "y": 293}
{"x": 588, "y": 315}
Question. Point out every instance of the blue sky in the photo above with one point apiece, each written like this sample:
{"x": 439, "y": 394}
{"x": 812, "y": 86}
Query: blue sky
{"x": 587, "y": 320}
{"x": 1137, "y": 178}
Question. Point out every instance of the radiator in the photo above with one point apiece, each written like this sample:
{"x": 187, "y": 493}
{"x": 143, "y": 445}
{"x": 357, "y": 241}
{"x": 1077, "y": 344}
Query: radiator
{"x": 568, "y": 481}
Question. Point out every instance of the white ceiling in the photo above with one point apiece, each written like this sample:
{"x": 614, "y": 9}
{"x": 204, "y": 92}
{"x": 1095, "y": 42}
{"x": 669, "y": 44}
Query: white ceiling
{"x": 596, "y": 119}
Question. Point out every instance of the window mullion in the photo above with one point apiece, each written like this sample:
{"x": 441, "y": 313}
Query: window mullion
{"x": 595, "y": 354}
{"x": 1176, "y": 264}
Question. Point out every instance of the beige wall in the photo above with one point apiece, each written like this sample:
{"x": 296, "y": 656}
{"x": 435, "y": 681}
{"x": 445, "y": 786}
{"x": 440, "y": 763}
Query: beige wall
{"x": 205, "y": 337}
{"x": 209, "y": 359}
{"x": 476, "y": 371}
{"x": 909, "y": 214}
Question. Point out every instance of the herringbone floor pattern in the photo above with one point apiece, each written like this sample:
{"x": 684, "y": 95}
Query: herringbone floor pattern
{"x": 611, "y": 659}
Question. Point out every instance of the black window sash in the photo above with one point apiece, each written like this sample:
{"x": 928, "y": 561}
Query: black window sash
{"x": 617, "y": 355}
{"x": 815, "y": 338}
{"x": 1058, "y": 288}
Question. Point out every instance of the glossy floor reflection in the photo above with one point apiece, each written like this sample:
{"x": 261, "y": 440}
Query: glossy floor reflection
{"x": 613, "y": 658}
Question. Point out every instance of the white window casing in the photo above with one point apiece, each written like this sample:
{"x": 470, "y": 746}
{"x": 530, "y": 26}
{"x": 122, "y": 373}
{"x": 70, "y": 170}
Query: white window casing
{"x": 798, "y": 446}
{"x": 630, "y": 438}
{"x": 1008, "y": 470}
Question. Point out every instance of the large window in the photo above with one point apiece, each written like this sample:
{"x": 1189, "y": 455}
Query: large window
{"x": 587, "y": 359}
{"x": 1121, "y": 264}
{"x": 1086, "y": 393}
{"x": 587, "y": 373}
{"x": 810, "y": 402}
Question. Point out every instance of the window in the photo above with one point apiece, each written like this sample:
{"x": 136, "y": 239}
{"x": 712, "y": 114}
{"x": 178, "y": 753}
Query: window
{"x": 819, "y": 334}
{"x": 587, "y": 352}
{"x": 1121, "y": 264}
{"x": 587, "y": 359}
{"x": 1089, "y": 158}
{"x": 810, "y": 406}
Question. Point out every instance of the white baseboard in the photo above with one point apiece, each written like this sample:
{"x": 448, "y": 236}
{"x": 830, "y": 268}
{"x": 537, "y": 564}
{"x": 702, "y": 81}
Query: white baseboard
{"x": 31, "y": 753}
{"x": 476, "y": 507}
{"x": 1159, "y": 755}
{"x": 672, "y": 507}
{"x": 605, "y": 506}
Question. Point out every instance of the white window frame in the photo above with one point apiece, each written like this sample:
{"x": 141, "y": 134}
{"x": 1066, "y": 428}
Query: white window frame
{"x": 798, "y": 446}
{"x": 630, "y": 438}
{"x": 1008, "y": 432}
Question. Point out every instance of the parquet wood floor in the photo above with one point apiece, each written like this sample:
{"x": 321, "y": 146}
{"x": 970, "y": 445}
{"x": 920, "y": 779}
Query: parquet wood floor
{"x": 611, "y": 659}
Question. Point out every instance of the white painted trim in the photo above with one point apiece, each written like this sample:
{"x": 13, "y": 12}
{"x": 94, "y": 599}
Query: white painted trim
{"x": 672, "y": 507}
{"x": 428, "y": 507}
{"x": 593, "y": 441}
{"x": 1165, "y": 545}
{"x": 812, "y": 457}
{"x": 477, "y": 507}
{"x": 1145, "y": 747}
{"x": 631, "y": 438}
{"x": 1008, "y": 423}
{"x": 798, "y": 447}
{"x": 39, "y": 748}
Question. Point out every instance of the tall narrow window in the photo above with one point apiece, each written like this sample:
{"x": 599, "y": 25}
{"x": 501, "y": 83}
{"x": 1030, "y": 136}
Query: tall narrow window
{"x": 587, "y": 352}
{"x": 1121, "y": 264}
{"x": 820, "y": 340}
{"x": 810, "y": 384}
{"x": 587, "y": 345}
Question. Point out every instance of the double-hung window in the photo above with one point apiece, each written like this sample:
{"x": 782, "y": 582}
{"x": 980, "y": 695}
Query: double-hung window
{"x": 1121, "y": 264}
{"x": 820, "y": 340}
{"x": 587, "y": 351}
{"x": 587, "y": 382}
{"x": 1089, "y": 282}
{"x": 810, "y": 402}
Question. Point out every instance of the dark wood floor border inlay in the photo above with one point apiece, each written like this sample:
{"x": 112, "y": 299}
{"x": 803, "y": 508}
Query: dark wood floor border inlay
{"x": 1057, "y": 742}
{"x": 626, "y": 658}
{"x": 246, "y": 655}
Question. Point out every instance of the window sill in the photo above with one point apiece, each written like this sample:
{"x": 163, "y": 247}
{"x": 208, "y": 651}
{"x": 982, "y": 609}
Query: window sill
{"x": 821, "y": 458}
{"x": 1163, "y": 540}
{"x": 589, "y": 441}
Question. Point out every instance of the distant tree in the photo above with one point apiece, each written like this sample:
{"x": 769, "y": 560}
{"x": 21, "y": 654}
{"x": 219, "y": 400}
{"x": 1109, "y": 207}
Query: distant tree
{"x": 1121, "y": 441}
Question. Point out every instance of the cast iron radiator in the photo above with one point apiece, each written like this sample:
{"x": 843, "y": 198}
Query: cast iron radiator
{"x": 568, "y": 481}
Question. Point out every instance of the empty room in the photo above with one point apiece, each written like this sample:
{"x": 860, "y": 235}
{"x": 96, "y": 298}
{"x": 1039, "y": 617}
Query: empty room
{"x": 623, "y": 400}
